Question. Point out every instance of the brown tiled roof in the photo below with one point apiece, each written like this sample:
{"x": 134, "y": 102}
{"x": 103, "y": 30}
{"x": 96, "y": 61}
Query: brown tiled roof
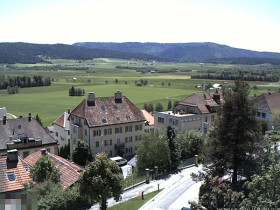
{"x": 148, "y": 116}
{"x": 268, "y": 102}
{"x": 70, "y": 172}
{"x": 18, "y": 168}
{"x": 32, "y": 129}
{"x": 63, "y": 121}
{"x": 94, "y": 114}
{"x": 201, "y": 101}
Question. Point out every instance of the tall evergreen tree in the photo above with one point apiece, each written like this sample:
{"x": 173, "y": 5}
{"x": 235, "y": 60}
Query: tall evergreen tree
{"x": 174, "y": 151}
{"x": 169, "y": 105}
{"x": 232, "y": 141}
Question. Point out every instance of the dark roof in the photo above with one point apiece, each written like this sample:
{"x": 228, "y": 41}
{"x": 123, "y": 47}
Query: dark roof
{"x": 203, "y": 101}
{"x": 70, "y": 172}
{"x": 126, "y": 111}
{"x": 18, "y": 168}
{"x": 32, "y": 129}
{"x": 268, "y": 102}
{"x": 63, "y": 121}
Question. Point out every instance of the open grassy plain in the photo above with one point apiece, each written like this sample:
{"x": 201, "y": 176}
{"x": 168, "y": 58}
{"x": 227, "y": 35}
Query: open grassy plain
{"x": 50, "y": 102}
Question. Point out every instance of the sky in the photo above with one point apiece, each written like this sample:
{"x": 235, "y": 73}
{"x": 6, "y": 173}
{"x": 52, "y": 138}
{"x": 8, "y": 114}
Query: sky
{"x": 247, "y": 24}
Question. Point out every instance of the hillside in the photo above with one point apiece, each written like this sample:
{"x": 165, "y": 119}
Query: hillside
{"x": 34, "y": 53}
{"x": 183, "y": 52}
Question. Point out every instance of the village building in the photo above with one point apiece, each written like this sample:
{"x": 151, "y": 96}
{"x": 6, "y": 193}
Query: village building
{"x": 197, "y": 111}
{"x": 149, "y": 123}
{"x": 61, "y": 129}
{"x": 26, "y": 135}
{"x": 70, "y": 171}
{"x": 266, "y": 104}
{"x": 108, "y": 124}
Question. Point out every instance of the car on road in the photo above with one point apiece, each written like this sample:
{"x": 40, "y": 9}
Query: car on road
{"x": 120, "y": 161}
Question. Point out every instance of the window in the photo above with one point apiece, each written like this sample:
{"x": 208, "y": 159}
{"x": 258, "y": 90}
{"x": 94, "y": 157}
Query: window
{"x": 213, "y": 118}
{"x": 115, "y": 107}
{"x": 56, "y": 134}
{"x": 160, "y": 119}
{"x": 103, "y": 108}
{"x": 97, "y": 132}
{"x": 118, "y": 140}
{"x": 104, "y": 121}
{"x": 206, "y": 119}
{"x": 258, "y": 114}
{"x": 11, "y": 176}
{"x": 72, "y": 118}
{"x": 130, "y": 139}
{"x": 85, "y": 132}
{"x": 25, "y": 154}
{"x": 108, "y": 131}
{"x": 26, "y": 169}
{"x": 128, "y": 129}
{"x": 118, "y": 130}
{"x": 107, "y": 142}
{"x": 136, "y": 138}
{"x": 128, "y": 118}
{"x": 129, "y": 150}
{"x": 118, "y": 118}
{"x": 263, "y": 115}
{"x": 97, "y": 144}
{"x": 138, "y": 127}
{"x": 49, "y": 149}
{"x": 170, "y": 121}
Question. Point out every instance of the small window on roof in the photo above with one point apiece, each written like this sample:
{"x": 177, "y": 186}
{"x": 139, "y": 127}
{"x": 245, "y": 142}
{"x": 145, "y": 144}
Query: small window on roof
{"x": 26, "y": 169}
{"x": 118, "y": 118}
{"x": 116, "y": 107}
{"x": 11, "y": 176}
{"x": 104, "y": 121}
{"x": 128, "y": 118}
{"x": 103, "y": 108}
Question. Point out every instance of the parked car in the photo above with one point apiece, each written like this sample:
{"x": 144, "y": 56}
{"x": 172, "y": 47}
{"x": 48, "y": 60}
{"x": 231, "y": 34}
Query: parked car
{"x": 120, "y": 161}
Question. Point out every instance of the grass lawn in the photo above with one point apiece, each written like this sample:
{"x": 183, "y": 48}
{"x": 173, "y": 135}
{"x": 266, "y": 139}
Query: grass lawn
{"x": 134, "y": 203}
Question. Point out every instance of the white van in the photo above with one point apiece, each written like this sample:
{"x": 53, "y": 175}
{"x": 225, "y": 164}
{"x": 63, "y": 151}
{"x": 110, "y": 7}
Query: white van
{"x": 119, "y": 160}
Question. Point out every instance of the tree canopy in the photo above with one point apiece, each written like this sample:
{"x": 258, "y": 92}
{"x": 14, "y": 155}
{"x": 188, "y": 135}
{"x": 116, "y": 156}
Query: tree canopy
{"x": 102, "y": 179}
{"x": 81, "y": 152}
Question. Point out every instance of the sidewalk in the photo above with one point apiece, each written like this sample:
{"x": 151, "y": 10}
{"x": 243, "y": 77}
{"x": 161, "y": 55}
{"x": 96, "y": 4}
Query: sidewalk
{"x": 165, "y": 183}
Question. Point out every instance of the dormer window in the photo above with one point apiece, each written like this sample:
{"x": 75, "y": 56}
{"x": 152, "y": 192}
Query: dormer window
{"x": 11, "y": 176}
{"x": 118, "y": 118}
{"x": 104, "y": 121}
{"x": 116, "y": 107}
{"x": 128, "y": 118}
{"x": 103, "y": 108}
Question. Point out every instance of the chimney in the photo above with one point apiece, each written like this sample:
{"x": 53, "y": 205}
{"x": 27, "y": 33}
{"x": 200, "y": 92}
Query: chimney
{"x": 118, "y": 97}
{"x": 29, "y": 117}
{"x": 91, "y": 99}
{"x": 4, "y": 120}
{"x": 68, "y": 110}
{"x": 217, "y": 97}
{"x": 43, "y": 151}
{"x": 12, "y": 155}
{"x": 20, "y": 116}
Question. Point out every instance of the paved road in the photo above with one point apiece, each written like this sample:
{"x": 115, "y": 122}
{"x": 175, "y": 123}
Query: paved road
{"x": 174, "y": 186}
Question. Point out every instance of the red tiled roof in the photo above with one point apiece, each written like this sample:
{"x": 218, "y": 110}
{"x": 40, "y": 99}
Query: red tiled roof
{"x": 94, "y": 114}
{"x": 148, "y": 116}
{"x": 268, "y": 102}
{"x": 201, "y": 101}
{"x": 18, "y": 168}
{"x": 70, "y": 172}
{"x": 63, "y": 121}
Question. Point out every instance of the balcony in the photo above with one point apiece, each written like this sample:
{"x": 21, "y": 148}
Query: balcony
{"x": 120, "y": 145}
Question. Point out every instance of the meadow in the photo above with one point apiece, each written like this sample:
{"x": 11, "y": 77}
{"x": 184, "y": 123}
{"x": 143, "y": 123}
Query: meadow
{"x": 50, "y": 102}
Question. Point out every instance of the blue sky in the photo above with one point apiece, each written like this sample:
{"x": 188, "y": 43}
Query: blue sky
{"x": 247, "y": 24}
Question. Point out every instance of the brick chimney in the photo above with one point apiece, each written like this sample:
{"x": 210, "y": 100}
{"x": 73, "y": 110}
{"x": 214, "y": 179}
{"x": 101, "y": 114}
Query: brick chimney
{"x": 43, "y": 151}
{"x": 4, "y": 120}
{"x": 12, "y": 155}
{"x": 91, "y": 99}
{"x": 118, "y": 97}
{"x": 29, "y": 117}
{"x": 68, "y": 111}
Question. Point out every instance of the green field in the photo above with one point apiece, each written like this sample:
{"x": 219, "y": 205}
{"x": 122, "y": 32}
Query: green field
{"x": 50, "y": 102}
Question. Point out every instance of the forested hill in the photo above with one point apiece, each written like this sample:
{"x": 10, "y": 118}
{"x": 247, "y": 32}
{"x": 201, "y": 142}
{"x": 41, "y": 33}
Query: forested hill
{"x": 34, "y": 53}
{"x": 183, "y": 52}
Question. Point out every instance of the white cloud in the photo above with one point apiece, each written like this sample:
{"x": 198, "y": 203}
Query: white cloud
{"x": 144, "y": 21}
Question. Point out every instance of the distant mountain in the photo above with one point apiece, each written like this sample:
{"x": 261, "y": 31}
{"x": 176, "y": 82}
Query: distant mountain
{"x": 183, "y": 52}
{"x": 34, "y": 53}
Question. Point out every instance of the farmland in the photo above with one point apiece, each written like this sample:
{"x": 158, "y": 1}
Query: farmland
{"x": 99, "y": 76}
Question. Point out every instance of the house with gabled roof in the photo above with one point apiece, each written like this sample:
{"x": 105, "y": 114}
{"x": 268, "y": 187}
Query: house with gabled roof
{"x": 198, "y": 111}
{"x": 26, "y": 135}
{"x": 70, "y": 171}
{"x": 266, "y": 104}
{"x": 108, "y": 124}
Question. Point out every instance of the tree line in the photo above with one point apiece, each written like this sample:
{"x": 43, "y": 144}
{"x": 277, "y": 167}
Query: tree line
{"x": 23, "y": 81}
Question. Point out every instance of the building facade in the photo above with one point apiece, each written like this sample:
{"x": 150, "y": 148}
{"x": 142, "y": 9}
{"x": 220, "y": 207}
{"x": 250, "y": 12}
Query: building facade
{"x": 108, "y": 124}
{"x": 61, "y": 129}
{"x": 197, "y": 111}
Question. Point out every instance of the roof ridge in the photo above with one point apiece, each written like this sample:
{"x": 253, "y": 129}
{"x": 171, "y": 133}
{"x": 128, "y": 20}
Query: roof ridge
{"x": 54, "y": 156}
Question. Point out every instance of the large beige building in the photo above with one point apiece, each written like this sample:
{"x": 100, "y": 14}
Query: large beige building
{"x": 108, "y": 124}
{"x": 197, "y": 111}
